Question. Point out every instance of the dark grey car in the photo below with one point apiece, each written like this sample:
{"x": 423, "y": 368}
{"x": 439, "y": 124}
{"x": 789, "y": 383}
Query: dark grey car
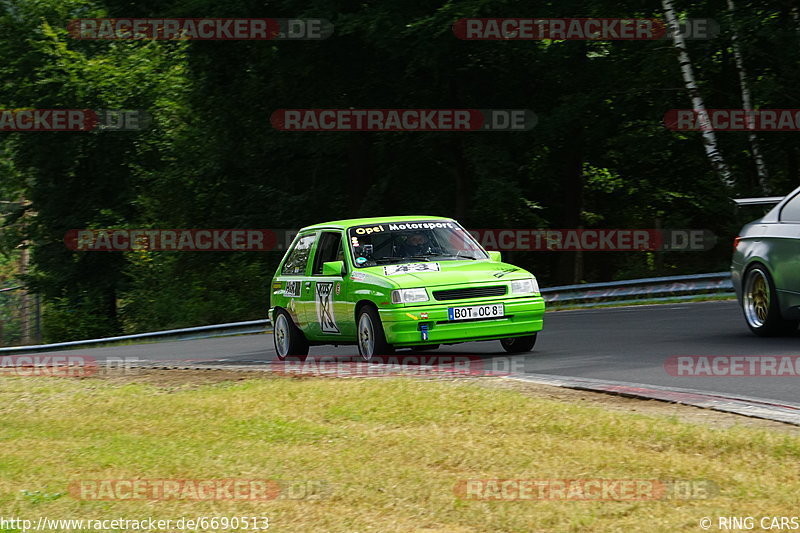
{"x": 766, "y": 268}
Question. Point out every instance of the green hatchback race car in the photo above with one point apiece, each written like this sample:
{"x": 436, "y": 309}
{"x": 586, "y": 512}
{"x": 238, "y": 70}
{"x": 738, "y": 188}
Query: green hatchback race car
{"x": 399, "y": 282}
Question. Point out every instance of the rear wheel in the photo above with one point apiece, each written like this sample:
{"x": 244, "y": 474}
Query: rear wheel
{"x": 371, "y": 337}
{"x": 760, "y": 305}
{"x": 289, "y": 340}
{"x": 519, "y": 344}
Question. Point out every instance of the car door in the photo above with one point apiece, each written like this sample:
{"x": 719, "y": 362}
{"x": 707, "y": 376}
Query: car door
{"x": 784, "y": 246}
{"x": 296, "y": 283}
{"x": 331, "y": 315}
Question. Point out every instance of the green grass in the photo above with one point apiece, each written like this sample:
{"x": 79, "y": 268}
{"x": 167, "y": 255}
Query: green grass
{"x": 390, "y": 450}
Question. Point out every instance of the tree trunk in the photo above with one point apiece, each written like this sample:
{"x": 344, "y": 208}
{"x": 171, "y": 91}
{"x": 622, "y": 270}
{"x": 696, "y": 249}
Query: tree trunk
{"x": 795, "y": 14}
{"x": 709, "y": 138}
{"x": 24, "y": 299}
{"x": 658, "y": 256}
{"x": 747, "y": 105}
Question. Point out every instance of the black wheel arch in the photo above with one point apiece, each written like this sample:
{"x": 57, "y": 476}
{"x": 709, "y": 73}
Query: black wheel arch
{"x": 360, "y": 305}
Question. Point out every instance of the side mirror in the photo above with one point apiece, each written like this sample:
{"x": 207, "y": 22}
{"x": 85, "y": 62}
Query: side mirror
{"x": 333, "y": 268}
{"x": 495, "y": 256}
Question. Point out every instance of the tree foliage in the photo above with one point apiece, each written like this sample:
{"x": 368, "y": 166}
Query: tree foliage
{"x": 599, "y": 156}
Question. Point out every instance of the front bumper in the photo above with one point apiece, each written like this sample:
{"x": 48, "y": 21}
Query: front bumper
{"x": 523, "y": 316}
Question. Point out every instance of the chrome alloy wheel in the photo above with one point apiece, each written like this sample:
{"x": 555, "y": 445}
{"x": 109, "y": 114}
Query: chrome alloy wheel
{"x": 281, "y": 335}
{"x": 366, "y": 337}
{"x": 756, "y": 298}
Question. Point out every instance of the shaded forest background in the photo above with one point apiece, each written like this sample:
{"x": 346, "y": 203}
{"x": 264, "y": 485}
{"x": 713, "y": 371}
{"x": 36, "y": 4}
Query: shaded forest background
{"x": 600, "y": 156}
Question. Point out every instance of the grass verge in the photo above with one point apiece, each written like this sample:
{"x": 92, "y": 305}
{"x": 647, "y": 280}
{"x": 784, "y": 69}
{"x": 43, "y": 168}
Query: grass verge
{"x": 390, "y": 452}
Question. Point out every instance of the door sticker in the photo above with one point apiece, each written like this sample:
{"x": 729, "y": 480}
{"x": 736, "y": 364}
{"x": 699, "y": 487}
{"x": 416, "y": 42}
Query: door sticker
{"x": 292, "y": 289}
{"x": 324, "y": 299}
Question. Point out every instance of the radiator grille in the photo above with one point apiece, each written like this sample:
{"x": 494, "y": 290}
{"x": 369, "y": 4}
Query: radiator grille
{"x": 472, "y": 292}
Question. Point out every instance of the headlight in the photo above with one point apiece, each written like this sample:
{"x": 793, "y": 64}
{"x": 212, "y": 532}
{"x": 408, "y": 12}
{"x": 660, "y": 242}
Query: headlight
{"x": 525, "y": 286}
{"x": 408, "y": 296}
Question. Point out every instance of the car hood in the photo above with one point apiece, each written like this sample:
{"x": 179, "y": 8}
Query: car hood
{"x": 442, "y": 273}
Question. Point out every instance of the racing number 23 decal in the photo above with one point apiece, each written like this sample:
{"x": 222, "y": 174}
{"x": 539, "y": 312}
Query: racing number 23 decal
{"x": 324, "y": 297}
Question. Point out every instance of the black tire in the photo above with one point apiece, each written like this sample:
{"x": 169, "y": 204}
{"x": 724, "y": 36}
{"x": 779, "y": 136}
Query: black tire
{"x": 760, "y": 304}
{"x": 370, "y": 337}
{"x": 425, "y": 348}
{"x": 288, "y": 339}
{"x": 519, "y": 344}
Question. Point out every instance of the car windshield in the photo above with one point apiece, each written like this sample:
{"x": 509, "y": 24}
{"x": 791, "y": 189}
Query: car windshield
{"x": 405, "y": 242}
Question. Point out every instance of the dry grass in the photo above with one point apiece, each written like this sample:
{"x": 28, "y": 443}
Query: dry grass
{"x": 390, "y": 450}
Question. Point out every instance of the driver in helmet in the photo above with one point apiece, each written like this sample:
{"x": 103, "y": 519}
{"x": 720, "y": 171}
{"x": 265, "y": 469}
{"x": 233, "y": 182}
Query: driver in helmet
{"x": 415, "y": 244}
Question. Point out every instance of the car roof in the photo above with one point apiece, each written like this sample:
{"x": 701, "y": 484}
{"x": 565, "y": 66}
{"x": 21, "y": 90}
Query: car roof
{"x": 343, "y": 224}
{"x": 773, "y": 215}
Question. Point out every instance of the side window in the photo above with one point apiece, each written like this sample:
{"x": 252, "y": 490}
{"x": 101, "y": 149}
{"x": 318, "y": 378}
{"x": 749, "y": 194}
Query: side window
{"x": 298, "y": 258}
{"x": 791, "y": 211}
{"x": 329, "y": 249}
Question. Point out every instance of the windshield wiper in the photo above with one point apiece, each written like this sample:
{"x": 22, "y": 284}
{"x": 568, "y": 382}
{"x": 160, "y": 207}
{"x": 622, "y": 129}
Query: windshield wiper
{"x": 459, "y": 255}
{"x": 406, "y": 258}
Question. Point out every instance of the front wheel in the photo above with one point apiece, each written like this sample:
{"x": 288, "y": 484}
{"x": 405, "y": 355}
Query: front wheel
{"x": 288, "y": 339}
{"x": 760, "y": 305}
{"x": 371, "y": 337}
{"x": 519, "y": 344}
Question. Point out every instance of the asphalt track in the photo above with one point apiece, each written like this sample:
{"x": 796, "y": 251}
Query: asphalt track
{"x": 628, "y": 344}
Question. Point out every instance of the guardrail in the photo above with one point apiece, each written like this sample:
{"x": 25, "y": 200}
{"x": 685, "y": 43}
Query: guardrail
{"x": 201, "y": 332}
{"x": 582, "y": 295}
{"x": 634, "y": 290}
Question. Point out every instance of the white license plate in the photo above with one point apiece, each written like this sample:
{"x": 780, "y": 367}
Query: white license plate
{"x": 475, "y": 311}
